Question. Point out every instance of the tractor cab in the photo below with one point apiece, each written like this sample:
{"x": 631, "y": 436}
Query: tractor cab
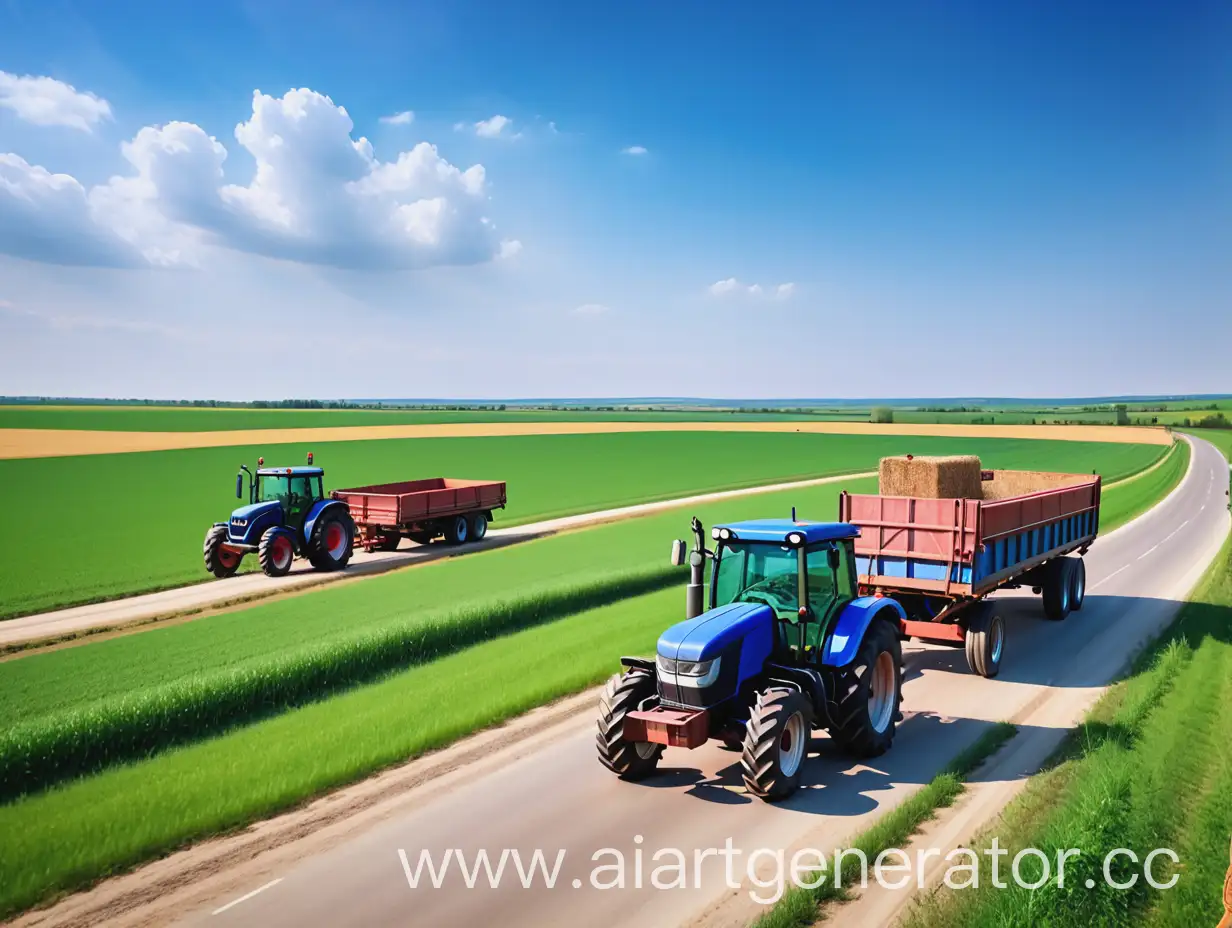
{"x": 295, "y": 489}
{"x": 804, "y": 571}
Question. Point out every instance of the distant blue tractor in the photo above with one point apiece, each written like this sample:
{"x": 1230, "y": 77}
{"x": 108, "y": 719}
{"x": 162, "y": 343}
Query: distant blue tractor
{"x": 786, "y": 647}
{"x": 287, "y": 515}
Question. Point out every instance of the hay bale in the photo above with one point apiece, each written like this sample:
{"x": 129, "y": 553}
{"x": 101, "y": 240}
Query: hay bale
{"x": 1007, "y": 483}
{"x": 952, "y": 477}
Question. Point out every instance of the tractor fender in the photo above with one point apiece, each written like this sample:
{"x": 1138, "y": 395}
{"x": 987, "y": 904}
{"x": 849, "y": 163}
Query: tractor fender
{"x": 319, "y": 508}
{"x": 853, "y": 622}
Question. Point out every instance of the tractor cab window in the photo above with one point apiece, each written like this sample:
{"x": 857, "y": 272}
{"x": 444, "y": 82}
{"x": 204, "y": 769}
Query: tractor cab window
{"x": 752, "y": 572}
{"x": 272, "y": 487}
{"x": 821, "y": 580}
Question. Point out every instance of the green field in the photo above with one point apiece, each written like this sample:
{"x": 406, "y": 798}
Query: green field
{"x": 1123, "y": 502}
{"x": 1150, "y": 768}
{"x": 99, "y": 526}
{"x": 1220, "y": 438}
{"x": 175, "y": 795}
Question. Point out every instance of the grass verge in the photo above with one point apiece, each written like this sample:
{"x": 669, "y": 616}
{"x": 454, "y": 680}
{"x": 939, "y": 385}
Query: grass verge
{"x": 799, "y": 907}
{"x": 1127, "y": 501}
{"x": 1151, "y": 767}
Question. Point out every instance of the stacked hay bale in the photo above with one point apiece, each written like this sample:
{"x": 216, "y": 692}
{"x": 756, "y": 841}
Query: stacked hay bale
{"x": 952, "y": 477}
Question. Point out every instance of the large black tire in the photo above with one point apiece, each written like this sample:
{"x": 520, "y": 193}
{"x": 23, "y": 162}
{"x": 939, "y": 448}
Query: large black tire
{"x": 629, "y": 759}
{"x": 478, "y": 526}
{"x": 776, "y": 743}
{"x": 457, "y": 530}
{"x": 855, "y": 727}
{"x": 218, "y": 562}
{"x": 985, "y": 640}
{"x": 1078, "y": 584}
{"x": 388, "y": 542}
{"x": 421, "y": 538}
{"x": 332, "y": 541}
{"x": 1057, "y": 589}
{"x": 275, "y": 553}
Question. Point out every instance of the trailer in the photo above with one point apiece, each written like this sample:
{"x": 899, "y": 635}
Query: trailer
{"x": 422, "y": 510}
{"x": 941, "y": 558}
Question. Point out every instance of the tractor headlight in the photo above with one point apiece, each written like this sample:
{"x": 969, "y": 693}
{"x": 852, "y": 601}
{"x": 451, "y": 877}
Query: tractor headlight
{"x": 239, "y": 523}
{"x": 795, "y": 539}
{"x": 697, "y": 673}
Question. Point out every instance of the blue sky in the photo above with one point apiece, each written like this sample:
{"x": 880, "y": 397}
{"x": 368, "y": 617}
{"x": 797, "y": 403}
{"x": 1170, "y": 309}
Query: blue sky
{"x": 673, "y": 199}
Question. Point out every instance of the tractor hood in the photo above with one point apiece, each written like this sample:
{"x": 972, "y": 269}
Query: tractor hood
{"x": 248, "y": 523}
{"x": 706, "y": 636}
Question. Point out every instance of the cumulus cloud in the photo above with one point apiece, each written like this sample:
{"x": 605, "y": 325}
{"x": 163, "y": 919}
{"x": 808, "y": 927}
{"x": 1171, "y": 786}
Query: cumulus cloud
{"x": 405, "y": 118}
{"x": 508, "y": 248}
{"x": 46, "y": 101}
{"x": 732, "y": 286}
{"x": 634, "y": 150}
{"x": 318, "y": 195}
{"x": 493, "y": 128}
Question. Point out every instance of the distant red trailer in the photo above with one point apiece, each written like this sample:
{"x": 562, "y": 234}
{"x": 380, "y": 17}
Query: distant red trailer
{"x": 422, "y": 510}
{"x": 939, "y": 557}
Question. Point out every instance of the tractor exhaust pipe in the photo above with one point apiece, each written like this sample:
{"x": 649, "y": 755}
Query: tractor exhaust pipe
{"x": 695, "y": 598}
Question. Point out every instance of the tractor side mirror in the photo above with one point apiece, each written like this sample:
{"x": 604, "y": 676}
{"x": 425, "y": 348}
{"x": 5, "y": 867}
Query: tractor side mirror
{"x": 239, "y": 486}
{"x": 677, "y": 553}
{"x": 832, "y": 557}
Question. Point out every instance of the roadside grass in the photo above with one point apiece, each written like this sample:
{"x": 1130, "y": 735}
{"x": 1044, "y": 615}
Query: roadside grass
{"x": 100, "y": 526}
{"x": 800, "y": 907}
{"x": 75, "y": 834}
{"x": 1151, "y": 767}
{"x": 1220, "y": 438}
{"x": 75, "y": 710}
{"x": 1122, "y": 503}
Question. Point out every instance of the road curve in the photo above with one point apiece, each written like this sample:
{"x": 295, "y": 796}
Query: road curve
{"x": 214, "y": 594}
{"x": 558, "y": 796}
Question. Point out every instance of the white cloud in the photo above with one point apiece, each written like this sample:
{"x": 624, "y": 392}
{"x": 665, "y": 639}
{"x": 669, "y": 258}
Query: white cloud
{"x": 634, "y": 150}
{"x": 405, "y": 118}
{"x": 508, "y": 248}
{"x": 590, "y": 309}
{"x": 46, "y": 101}
{"x": 732, "y": 285}
{"x": 318, "y": 196}
{"x": 492, "y": 128}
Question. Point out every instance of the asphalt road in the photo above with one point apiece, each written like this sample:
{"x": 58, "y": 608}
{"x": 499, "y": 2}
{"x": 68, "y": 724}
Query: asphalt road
{"x": 560, "y": 798}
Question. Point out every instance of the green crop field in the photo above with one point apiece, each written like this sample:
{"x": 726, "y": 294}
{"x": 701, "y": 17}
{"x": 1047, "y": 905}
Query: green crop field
{"x": 100, "y": 526}
{"x": 175, "y": 795}
{"x": 1220, "y": 438}
{"x": 1150, "y": 768}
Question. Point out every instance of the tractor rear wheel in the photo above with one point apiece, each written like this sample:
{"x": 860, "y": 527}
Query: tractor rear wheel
{"x": 985, "y": 640}
{"x": 1078, "y": 584}
{"x": 478, "y": 526}
{"x": 776, "y": 743}
{"x": 275, "y": 553}
{"x": 1058, "y": 587}
{"x": 869, "y": 692}
{"x": 331, "y": 543}
{"x": 457, "y": 530}
{"x": 217, "y": 561}
{"x": 631, "y": 760}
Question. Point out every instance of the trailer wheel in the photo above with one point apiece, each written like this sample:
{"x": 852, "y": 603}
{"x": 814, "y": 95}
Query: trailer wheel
{"x": 478, "y": 526}
{"x": 1057, "y": 588}
{"x": 985, "y": 640}
{"x": 457, "y": 531}
{"x": 421, "y": 538}
{"x": 776, "y": 743}
{"x": 387, "y": 541}
{"x": 869, "y": 693}
{"x": 332, "y": 541}
{"x": 217, "y": 561}
{"x": 275, "y": 553}
{"x": 1078, "y": 584}
{"x": 631, "y": 760}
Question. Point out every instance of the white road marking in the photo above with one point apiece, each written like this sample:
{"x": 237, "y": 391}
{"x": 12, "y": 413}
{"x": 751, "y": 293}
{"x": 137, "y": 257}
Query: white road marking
{"x": 1096, "y": 586}
{"x": 1162, "y": 540}
{"x": 245, "y": 898}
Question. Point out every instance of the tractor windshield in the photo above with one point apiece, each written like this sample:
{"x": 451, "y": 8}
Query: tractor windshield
{"x": 758, "y": 572}
{"x": 271, "y": 487}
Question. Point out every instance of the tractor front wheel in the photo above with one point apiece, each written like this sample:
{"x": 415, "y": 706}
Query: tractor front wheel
{"x": 631, "y": 760}
{"x": 776, "y": 743}
{"x": 330, "y": 546}
{"x": 869, "y": 692}
{"x": 219, "y": 562}
{"x": 275, "y": 552}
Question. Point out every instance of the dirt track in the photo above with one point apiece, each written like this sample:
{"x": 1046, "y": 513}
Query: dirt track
{"x": 45, "y": 443}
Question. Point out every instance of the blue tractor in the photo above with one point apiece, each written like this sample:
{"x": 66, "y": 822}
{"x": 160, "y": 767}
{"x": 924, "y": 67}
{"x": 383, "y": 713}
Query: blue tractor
{"x": 287, "y": 515}
{"x": 787, "y": 646}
